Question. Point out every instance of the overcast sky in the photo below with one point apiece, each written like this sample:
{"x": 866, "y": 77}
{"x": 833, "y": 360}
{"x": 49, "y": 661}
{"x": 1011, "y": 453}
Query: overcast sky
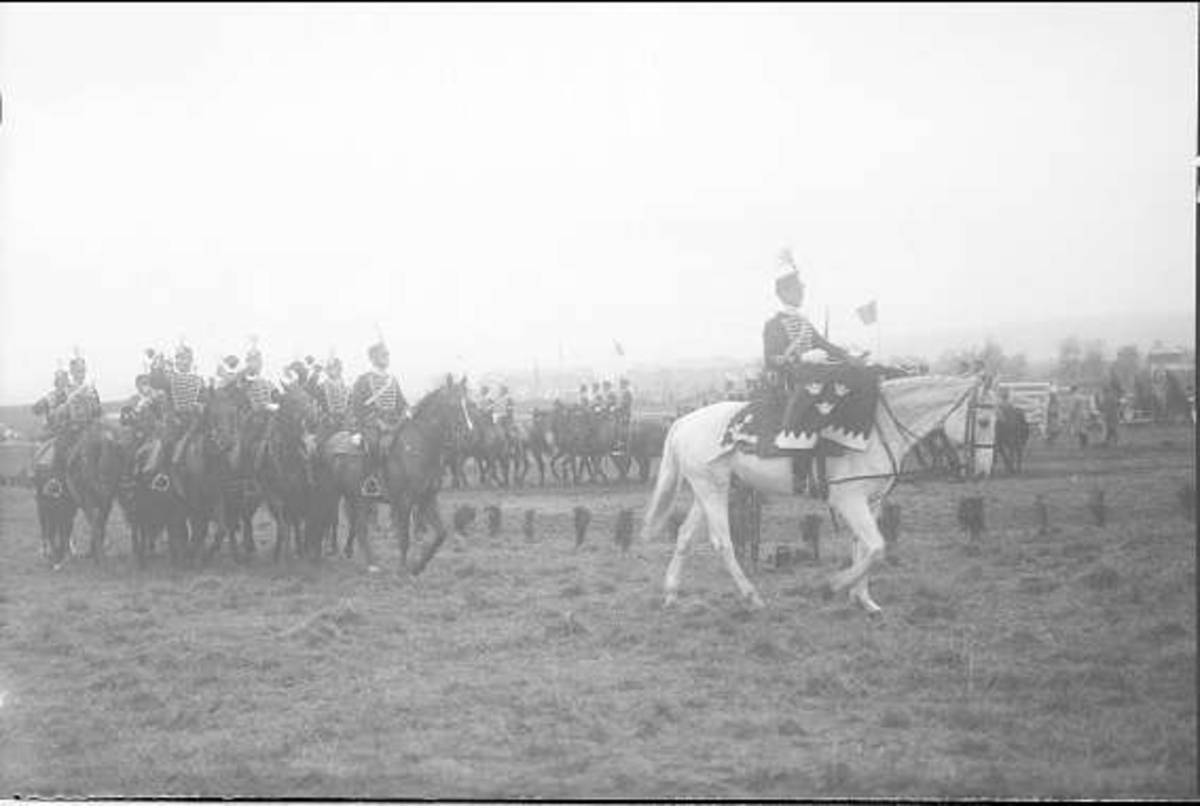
{"x": 496, "y": 185}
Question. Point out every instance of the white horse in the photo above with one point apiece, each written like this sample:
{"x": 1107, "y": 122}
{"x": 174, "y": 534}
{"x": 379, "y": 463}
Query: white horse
{"x": 908, "y": 409}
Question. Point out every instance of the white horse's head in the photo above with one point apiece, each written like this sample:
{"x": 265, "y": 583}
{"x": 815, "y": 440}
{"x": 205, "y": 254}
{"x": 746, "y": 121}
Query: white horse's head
{"x": 972, "y": 426}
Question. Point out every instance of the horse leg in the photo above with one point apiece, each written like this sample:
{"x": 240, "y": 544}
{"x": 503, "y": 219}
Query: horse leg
{"x": 401, "y": 520}
{"x": 859, "y": 591}
{"x": 856, "y": 512}
{"x": 428, "y": 512}
{"x": 714, "y": 497}
{"x": 691, "y": 527}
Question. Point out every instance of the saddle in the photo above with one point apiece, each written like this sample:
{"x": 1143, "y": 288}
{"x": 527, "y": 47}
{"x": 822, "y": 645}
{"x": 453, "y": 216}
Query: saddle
{"x": 825, "y": 410}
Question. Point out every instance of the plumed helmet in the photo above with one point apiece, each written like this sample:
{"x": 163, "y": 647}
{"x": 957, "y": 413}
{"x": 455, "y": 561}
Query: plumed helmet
{"x": 789, "y": 280}
{"x": 78, "y": 364}
{"x": 333, "y": 364}
{"x": 378, "y": 349}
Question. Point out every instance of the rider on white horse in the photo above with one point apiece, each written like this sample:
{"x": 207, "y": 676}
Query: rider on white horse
{"x": 788, "y": 337}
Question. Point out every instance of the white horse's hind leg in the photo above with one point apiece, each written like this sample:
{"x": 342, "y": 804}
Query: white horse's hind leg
{"x": 715, "y": 500}
{"x": 855, "y": 510}
{"x": 687, "y": 530}
{"x": 859, "y": 592}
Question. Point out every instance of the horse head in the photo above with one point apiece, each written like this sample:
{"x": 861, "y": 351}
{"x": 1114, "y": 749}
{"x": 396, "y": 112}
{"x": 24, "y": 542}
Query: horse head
{"x": 971, "y": 423}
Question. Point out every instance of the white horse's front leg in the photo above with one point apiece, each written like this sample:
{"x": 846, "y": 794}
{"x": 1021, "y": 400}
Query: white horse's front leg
{"x": 715, "y": 500}
{"x": 687, "y": 530}
{"x": 859, "y": 592}
{"x": 854, "y": 509}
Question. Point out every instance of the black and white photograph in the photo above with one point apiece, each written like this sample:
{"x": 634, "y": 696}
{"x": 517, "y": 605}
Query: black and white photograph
{"x": 577, "y": 401}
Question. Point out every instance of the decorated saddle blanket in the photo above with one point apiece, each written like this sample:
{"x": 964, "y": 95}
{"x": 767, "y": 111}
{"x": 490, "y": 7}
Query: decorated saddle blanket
{"x": 832, "y": 402}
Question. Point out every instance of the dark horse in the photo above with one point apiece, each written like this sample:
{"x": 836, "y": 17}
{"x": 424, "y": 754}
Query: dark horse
{"x": 94, "y": 468}
{"x": 646, "y": 439}
{"x": 285, "y": 471}
{"x": 1012, "y": 435}
{"x": 414, "y": 470}
{"x": 338, "y": 475}
{"x": 536, "y": 442}
{"x": 149, "y": 504}
{"x": 199, "y": 481}
{"x": 241, "y": 492}
{"x": 56, "y": 509}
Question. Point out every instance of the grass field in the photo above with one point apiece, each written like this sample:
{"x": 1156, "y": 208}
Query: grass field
{"x": 1025, "y": 665}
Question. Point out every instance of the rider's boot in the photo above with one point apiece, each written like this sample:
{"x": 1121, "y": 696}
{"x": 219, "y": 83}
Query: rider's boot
{"x": 801, "y": 464}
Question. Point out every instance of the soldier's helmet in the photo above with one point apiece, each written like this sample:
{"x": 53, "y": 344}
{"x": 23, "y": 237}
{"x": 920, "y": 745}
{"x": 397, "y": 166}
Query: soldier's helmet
{"x": 788, "y": 284}
{"x": 142, "y": 380}
{"x": 230, "y": 361}
{"x": 254, "y": 360}
{"x": 377, "y": 352}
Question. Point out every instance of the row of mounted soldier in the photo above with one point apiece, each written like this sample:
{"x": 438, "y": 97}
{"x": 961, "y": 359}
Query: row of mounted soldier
{"x": 167, "y": 409}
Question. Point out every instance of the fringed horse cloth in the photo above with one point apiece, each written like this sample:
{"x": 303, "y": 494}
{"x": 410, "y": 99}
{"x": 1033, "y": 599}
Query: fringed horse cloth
{"x": 834, "y": 402}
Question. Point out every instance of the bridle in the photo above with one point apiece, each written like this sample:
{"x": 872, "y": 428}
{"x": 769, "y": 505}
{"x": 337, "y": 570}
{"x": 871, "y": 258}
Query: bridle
{"x": 970, "y": 398}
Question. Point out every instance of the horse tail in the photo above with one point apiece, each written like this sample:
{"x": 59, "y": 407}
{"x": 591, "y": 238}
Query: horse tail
{"x": 666, "y": 489}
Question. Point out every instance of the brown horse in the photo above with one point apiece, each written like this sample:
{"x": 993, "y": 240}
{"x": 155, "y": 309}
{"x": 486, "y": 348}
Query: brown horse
{"x": 56, "y": 509}
{"x": 94, "y": 471}
{"x": 284, "y": 475}
{"x": 241, "y": 492}
{"x": 198, "y": 480}
{"x": 414, "y": 465}
{"x": 646, "y": 439}
{"x": 149, "y": 504}
{"x": 536, "y": 443}
{"x": 338, "y": 477}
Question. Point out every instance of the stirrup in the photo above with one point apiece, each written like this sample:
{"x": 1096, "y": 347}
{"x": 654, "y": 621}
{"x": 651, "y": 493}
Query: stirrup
{"x": 371, "y": 488}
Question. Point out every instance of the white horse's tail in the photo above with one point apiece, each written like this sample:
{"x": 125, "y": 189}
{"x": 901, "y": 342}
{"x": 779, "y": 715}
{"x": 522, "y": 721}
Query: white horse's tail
{"x": 666, "y": 488}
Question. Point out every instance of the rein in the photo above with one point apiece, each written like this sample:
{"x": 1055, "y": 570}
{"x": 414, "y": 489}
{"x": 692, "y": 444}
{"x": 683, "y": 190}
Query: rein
{"x": 970, "y": 398}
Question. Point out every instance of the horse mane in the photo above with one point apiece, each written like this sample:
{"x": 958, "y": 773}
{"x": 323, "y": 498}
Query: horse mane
{"x": 427, "y": 402}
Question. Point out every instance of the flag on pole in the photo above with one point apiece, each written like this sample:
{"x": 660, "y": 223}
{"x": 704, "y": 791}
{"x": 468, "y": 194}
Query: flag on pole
{"x": 620, "y": 349}
{"x": 868, "y": 313}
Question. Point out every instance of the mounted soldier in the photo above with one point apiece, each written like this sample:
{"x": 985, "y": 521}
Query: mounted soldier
{"x": 227, "y": 372}
{"x": 378, "y": 408}
{"x": 805, "y": 387}
{"x": 261, "y": 398}
{"x": 585, "y": 402}
{"x": 81, "y": 408}
{"x": 333, "y": 400}
{"x": 506, "y": 410}
{"x": 487, "y": 406}
{"x": 145, "y": 414}
{"x": 623, "y": 409}
{"x": 610, "y": 398}
{"x": 60, "y": 431}
{"x": 597, "y": 398}
{"x": 183, "y": 388}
